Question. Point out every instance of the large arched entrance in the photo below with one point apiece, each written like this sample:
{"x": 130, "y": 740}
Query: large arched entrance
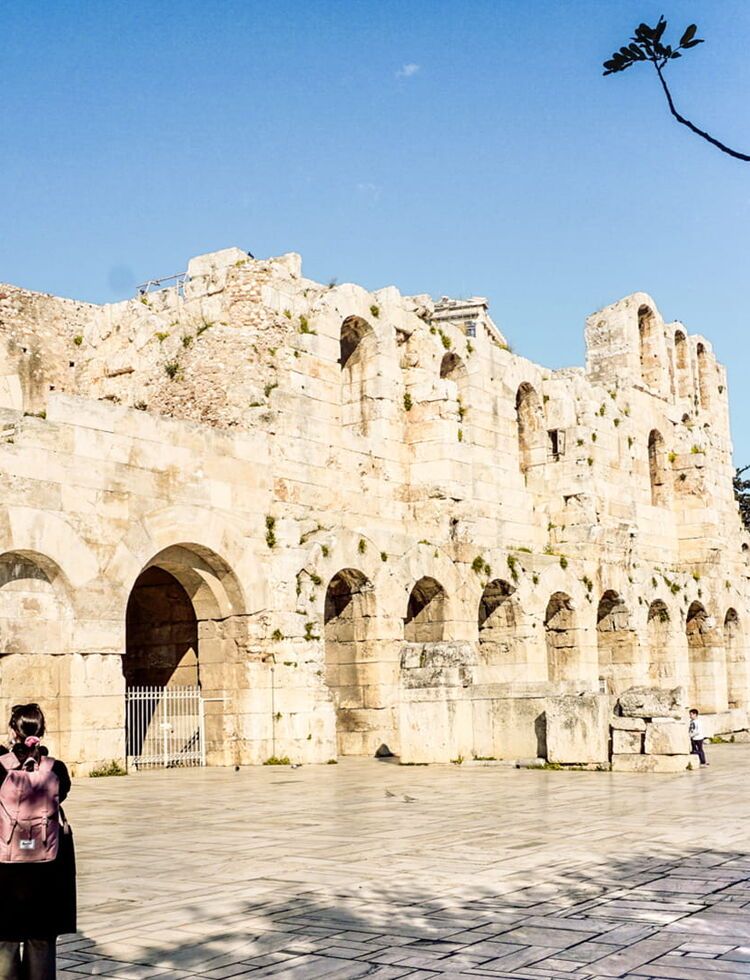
{"x": 184, "y": 635}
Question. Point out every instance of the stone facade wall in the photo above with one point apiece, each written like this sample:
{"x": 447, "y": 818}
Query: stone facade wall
{"x": 391, "y": 532}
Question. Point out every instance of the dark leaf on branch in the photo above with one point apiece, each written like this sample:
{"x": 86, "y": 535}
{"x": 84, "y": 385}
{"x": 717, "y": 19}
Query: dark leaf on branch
{"x": 636, "y": 52}
{"x": 692, "y": 44}
{"x": 644, "y": 31}
{"x": 659, "y": 29}
{"x": 675, "y": 54}
{"x": 689, "y": 34}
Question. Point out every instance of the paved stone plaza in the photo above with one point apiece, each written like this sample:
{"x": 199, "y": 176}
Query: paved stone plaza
{"x": 371, "y": 869}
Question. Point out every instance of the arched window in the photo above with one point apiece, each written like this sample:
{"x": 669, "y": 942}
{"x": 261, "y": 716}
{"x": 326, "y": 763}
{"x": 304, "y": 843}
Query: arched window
{"x": 736, "y": 654}
{"x": 425, "y": 612}
{"x": 648, "y": 347}
{"x": 705, "y": 376}
{"x": 357, "y": 347}
{"x": 563, "y": 657}
{"x": 531, "y": 432}
{"x": 497, "y": 619}
{"x": 351, "y": 666}
{"x": 657, "y": 466}
{"x": 661, "y": 664}
{"x": 708, "y": 680}
{"x": 617, "y": 645}
{"x": 682, "y": 365}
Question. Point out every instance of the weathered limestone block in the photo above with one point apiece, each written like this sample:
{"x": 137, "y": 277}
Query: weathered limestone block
{"x": 667, "y": 738}
{"x": 623, "y": 724}
{"x": 651, "y": 763}
{"x": 578, "y": 728}
{"x": 652, "y": 702}
{"x": 627, "y": 743}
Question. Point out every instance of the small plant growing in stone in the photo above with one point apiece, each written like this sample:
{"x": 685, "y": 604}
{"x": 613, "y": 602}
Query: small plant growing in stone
{"x": 460, "y": 435}
{"x": 203, "y": 327}
{"x": 277, "y": 635}
{"x": 267, "y": 389}
{"x": 433, "y": 329}
{"x": 315, "y": 579}
{"x": 78, "y": 339}
{"x": 696, "y": 576}
{"x": 545, "y": 399}
{"x": 654, "y": 583}
{"x": 332, "y": 762}
{"x": 461, "y": 410}
{"x": 587, "y": 583}
{"x": 590, "y": 461}
{"x": 630, "y": 442}
{"x": 602, "y": 409}
{"x": 362, "y": 546}
{"x": 384, "y": 556}
{"x": 171, "y": 368}
{"x": 477, "y": 565}
{"x": 616, "y": 423}
{"x": 304, "y": 325}
{"x": 579, "y": 442}
{"x": 727, "y": 585}
{"x": 563, "y": 561}
{"x": 161, "y": 336}
{"x": 695, "y": 450}
{"x": 113, "y": 768}
{"x": 535, "y": 578}
{"x": 469, "y": 348}
{"x": 375, "y": 310}
{"x": 593, "y": 437}
{"x": 682, "y": 477}
{"x": 309, "y": 634}
{"x": 270, "y": 531}
{"x": 408, "y": 403}
{"x": 445, "y": 340}
{"x": 276, "y": 760}
{"x": 512, "y": 565}
{"x": 144, "y": 299}
{"x": 187, "y": 340}
{"x": 458, "y": 760}
{"x": 672, "y": 456}
{"x": 288, "y": 314}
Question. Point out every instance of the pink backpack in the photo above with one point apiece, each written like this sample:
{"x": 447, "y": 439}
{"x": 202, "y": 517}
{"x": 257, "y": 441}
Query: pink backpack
{"x": 29, "y": 811}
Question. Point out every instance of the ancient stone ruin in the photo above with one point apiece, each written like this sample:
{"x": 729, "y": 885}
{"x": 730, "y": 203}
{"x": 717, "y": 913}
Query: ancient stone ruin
{"x": 356, "y": 519}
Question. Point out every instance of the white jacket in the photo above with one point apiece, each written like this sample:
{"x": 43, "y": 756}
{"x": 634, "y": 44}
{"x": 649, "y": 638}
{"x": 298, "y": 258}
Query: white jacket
{"x": 696, "y": 729}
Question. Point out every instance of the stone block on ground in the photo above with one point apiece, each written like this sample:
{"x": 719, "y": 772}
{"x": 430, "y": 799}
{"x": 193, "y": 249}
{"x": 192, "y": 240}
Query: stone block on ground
{"x": 621, "y": 724}
{"x": 627, "y": 743}
{"x": 652, "y": 702}
{"x": 667, "y": 738}
{"x": 578, "y": 728}
{"x": 651, "y": 763}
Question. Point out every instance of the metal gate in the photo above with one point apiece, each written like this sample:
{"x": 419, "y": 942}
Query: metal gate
{"x": 165, "y": 727}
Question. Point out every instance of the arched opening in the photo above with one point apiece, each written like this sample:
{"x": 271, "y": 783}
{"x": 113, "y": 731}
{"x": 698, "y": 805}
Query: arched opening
{"x": 354, "y": 671}
{"x": 617, "y": 645}
{"x": 661, "y": 663}
{"x": 708, "y": 681}
{"x": 648, "y": 347}
{"x": 452, "y": 368}
{"x": 563, "y": 656}
{"x": 185, "y": 633}
{"x": 736, "y": 656}
{"x": 358, "y": 368}
{"x": 531, "y": 431}
{"x": 162, "y": 633}
{"x": 500, "y": 648}
{"x": 657, "y": 468}
{"x": 425, "y": 613}
{"x": 36, "y": 622}
{"x": 682, "y": 365}
{"x": 705, "y": 375}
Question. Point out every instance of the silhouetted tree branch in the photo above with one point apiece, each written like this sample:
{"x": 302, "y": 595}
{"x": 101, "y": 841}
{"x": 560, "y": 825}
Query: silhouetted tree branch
{"x": 646, "y": 45}
{"x": 742, "y": 494}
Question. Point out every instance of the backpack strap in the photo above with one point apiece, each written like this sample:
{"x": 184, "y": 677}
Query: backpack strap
{"x": 10, "y": 761}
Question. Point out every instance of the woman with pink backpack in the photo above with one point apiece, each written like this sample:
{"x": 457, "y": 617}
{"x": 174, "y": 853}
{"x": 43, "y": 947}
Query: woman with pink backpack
{"x": 37, "y": 862}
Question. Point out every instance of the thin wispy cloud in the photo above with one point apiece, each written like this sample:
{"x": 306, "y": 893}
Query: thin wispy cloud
{"x": 408, "y": 71}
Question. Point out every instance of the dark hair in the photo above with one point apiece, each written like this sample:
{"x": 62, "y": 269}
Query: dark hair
{"x": 693, "y": 711}
{"x": 27, "y": 720}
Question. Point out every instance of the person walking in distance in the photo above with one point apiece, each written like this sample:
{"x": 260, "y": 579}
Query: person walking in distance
{"x": 697, "y": 737}
{"x": 37, "y": 861}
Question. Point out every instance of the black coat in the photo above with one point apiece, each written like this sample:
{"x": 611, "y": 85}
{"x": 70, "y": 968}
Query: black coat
{"x": 39, "y": 900}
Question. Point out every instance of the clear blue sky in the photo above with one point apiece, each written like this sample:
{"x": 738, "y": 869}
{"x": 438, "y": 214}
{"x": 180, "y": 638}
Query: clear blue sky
{"x": 443, "y": 147}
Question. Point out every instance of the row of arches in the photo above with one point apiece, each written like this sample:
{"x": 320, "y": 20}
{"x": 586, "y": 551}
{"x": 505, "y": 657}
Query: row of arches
{"x": 185, "y": 614}
{"x": 678, "y": 360}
